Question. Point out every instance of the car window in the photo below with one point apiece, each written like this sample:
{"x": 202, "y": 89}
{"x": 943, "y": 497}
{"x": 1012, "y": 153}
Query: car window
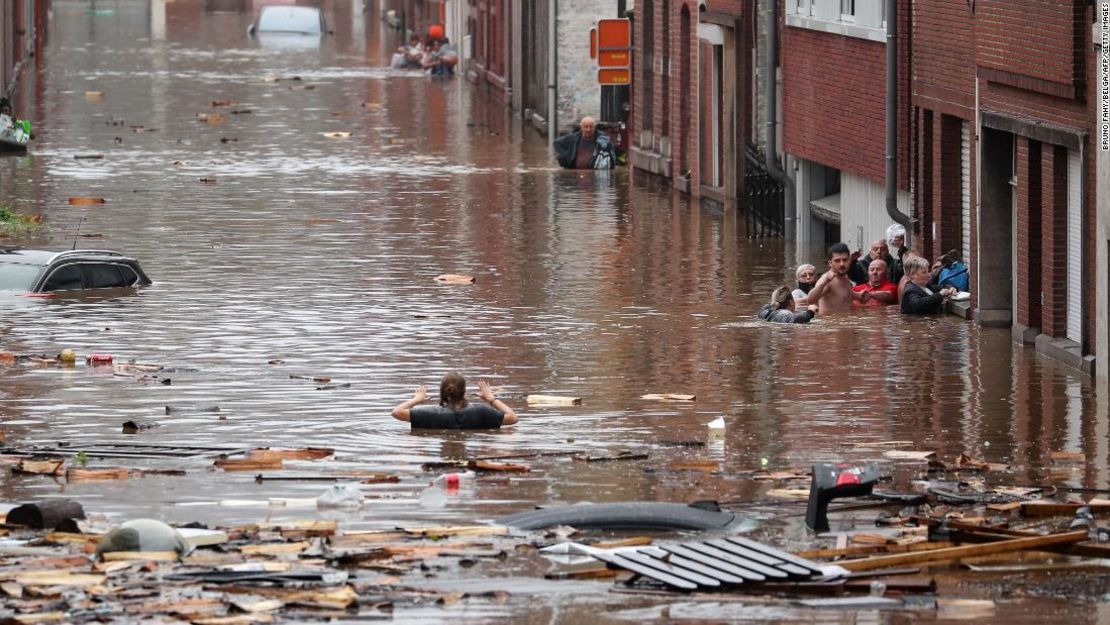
{"x": 107, "y": 276}
{"x": 15, "y": 277}
{"x": 290, "y": 19}
{"x": 67, "y": 278}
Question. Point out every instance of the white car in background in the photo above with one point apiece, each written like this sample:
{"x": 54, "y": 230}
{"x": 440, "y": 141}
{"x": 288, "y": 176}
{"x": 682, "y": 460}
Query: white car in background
{"x": 289, "y": 20}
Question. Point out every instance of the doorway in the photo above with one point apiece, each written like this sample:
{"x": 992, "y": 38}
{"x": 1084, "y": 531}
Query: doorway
{"x": 997, "y": 208}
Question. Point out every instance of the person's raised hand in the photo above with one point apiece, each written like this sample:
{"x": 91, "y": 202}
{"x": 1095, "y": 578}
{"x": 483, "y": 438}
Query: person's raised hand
{"x": 421, "y": 394}
{"x": 484, "y": 391}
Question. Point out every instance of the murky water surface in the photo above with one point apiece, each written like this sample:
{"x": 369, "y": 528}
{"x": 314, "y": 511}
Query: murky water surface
{"x": 321, "y": 252}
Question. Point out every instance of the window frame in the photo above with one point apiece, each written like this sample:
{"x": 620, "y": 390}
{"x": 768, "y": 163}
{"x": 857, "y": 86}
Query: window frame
{"x": 850, "y": 16}
{"x": 60, "y": 267}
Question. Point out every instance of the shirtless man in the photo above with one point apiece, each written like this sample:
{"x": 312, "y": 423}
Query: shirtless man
{"x": 833, "y": 291}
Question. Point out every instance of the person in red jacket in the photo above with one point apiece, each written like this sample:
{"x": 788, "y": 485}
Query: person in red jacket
{"x": 878, "y": 290}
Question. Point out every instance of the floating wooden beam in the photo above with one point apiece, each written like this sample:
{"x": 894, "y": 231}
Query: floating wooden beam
{"x": 553, "y": 400}
{"x": 954, "y": 553}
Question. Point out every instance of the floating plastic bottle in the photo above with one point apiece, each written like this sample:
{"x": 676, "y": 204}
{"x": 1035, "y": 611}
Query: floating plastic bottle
{"x": 450, "y": 481}
{"x": 98, "y": 359}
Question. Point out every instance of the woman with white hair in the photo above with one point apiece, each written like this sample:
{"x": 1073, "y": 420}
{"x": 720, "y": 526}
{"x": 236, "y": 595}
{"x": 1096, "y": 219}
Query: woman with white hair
{"x": 918, "y": 298}
{"x": 781, "y": 308}
{"x": 807, "y": 277}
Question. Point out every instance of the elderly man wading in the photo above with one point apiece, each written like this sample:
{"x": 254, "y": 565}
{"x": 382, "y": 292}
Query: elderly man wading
{"x": 587, "y": 148}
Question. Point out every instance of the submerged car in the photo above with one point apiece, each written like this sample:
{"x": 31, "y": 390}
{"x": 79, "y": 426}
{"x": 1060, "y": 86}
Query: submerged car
{"x": 44, "y": 271}
{"x": 289, "y": 19}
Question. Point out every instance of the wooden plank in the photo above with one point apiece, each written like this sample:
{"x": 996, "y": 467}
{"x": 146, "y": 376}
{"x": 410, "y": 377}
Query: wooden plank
{"x": 153, "y": 556}
{"x": 1085, "y": 550}
{"x": 553, "y": 400}
{"x": 247, "y": 464}
{"x": 872, "y": 549}
{"x": 270, "y": 549}
{"x": 1067, "y": 457}
{"x": 52, "y": 466}
{"x": 953, "y": 553}
{"x": 306, "y": 453}
{"x": 92, "y": 475}
{"x": 668, "y": 397}
{"x": 898, "y": 454}
{"x": 58, "y": 578}
{"x": 635, "y": 541}
{"x": 462, "y": 530}
{"x": 502, "y": 467}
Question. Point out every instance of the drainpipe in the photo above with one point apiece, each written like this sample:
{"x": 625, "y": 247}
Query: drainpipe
{"x": 892, "y": 117}
{"x": 552, "y": 70}
{"x": 790, "y": 213}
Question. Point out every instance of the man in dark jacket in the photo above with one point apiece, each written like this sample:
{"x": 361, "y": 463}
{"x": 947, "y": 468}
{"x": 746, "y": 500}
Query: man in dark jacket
{"x": 586, "y": 149}
{"x": 918, "y": 298}
{"x": 859, "y": 269}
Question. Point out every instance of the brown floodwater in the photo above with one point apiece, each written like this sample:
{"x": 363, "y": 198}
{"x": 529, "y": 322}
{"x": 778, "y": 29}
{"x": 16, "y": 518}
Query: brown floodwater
{"x": 321, "y": 253}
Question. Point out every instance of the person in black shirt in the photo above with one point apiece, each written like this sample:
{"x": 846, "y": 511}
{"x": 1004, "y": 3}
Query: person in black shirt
{"x": 453, "y": 411}
{"x": 918, "y": 298}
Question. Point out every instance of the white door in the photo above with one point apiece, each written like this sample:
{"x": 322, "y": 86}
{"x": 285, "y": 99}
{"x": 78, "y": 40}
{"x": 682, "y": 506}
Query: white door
{"x": 1075, "y": 247}
{"x": 965, "y": 192}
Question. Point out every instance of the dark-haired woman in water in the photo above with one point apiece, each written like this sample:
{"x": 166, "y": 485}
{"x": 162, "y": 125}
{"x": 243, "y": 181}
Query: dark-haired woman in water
{"x": 453, "y": 411}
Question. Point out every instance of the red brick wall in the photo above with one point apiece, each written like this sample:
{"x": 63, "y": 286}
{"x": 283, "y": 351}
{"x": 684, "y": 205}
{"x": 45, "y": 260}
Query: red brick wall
{"x": 947, "y": 182}
{"x": 674, "y": 100}
{"x": 1035, "y": 62}
{"x": 1029, "y": 232}
{"x": 834, "y": 99}
{"x": 1054, "y": 237}
{"x": 943, "y": 68}
{"x": 1033, "y": 38}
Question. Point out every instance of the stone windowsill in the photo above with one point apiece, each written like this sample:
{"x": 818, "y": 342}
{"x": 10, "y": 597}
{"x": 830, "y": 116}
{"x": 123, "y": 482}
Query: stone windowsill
{"x": 848, "y": 29}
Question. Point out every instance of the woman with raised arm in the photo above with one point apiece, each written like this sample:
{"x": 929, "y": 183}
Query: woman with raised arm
{"x": 453, "y": 411}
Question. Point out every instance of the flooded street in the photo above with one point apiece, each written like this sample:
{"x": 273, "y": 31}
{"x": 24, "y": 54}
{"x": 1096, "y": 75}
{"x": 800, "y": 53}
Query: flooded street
{"x": 319, "y": 255}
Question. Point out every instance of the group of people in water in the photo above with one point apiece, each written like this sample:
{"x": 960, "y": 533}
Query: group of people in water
{"x": 878, "y": 279}
{"x": 435, "y": 55}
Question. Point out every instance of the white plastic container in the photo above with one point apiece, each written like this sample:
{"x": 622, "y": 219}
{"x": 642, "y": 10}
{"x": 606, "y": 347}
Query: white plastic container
{"x": 716, "y": 429}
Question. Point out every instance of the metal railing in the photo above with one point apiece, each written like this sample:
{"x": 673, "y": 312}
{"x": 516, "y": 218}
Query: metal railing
{"x": 763, "y": 198}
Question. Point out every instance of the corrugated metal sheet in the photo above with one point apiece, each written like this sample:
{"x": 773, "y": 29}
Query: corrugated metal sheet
{"x": 1075, "y": 247}
{"x": 965, "y": 191}
{"x": 711, "y": 564}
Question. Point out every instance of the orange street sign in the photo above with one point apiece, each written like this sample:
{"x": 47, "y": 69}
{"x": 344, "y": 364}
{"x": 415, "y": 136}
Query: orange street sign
{"x": 614, "y": 43}
{"x": 614, "y": 33}
{"x": 614, "y": 76}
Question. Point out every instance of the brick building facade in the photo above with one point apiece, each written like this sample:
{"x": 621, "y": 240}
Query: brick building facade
{"x": 833, "y": 77}
{"x": 22, "y": 24}
{"x": 1024, "y": 216}
{"x": 692, "y": 94}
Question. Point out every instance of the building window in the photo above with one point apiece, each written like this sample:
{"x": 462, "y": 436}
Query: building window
{"x": 848, "y": 10}
{"x": 850, "y": 18}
